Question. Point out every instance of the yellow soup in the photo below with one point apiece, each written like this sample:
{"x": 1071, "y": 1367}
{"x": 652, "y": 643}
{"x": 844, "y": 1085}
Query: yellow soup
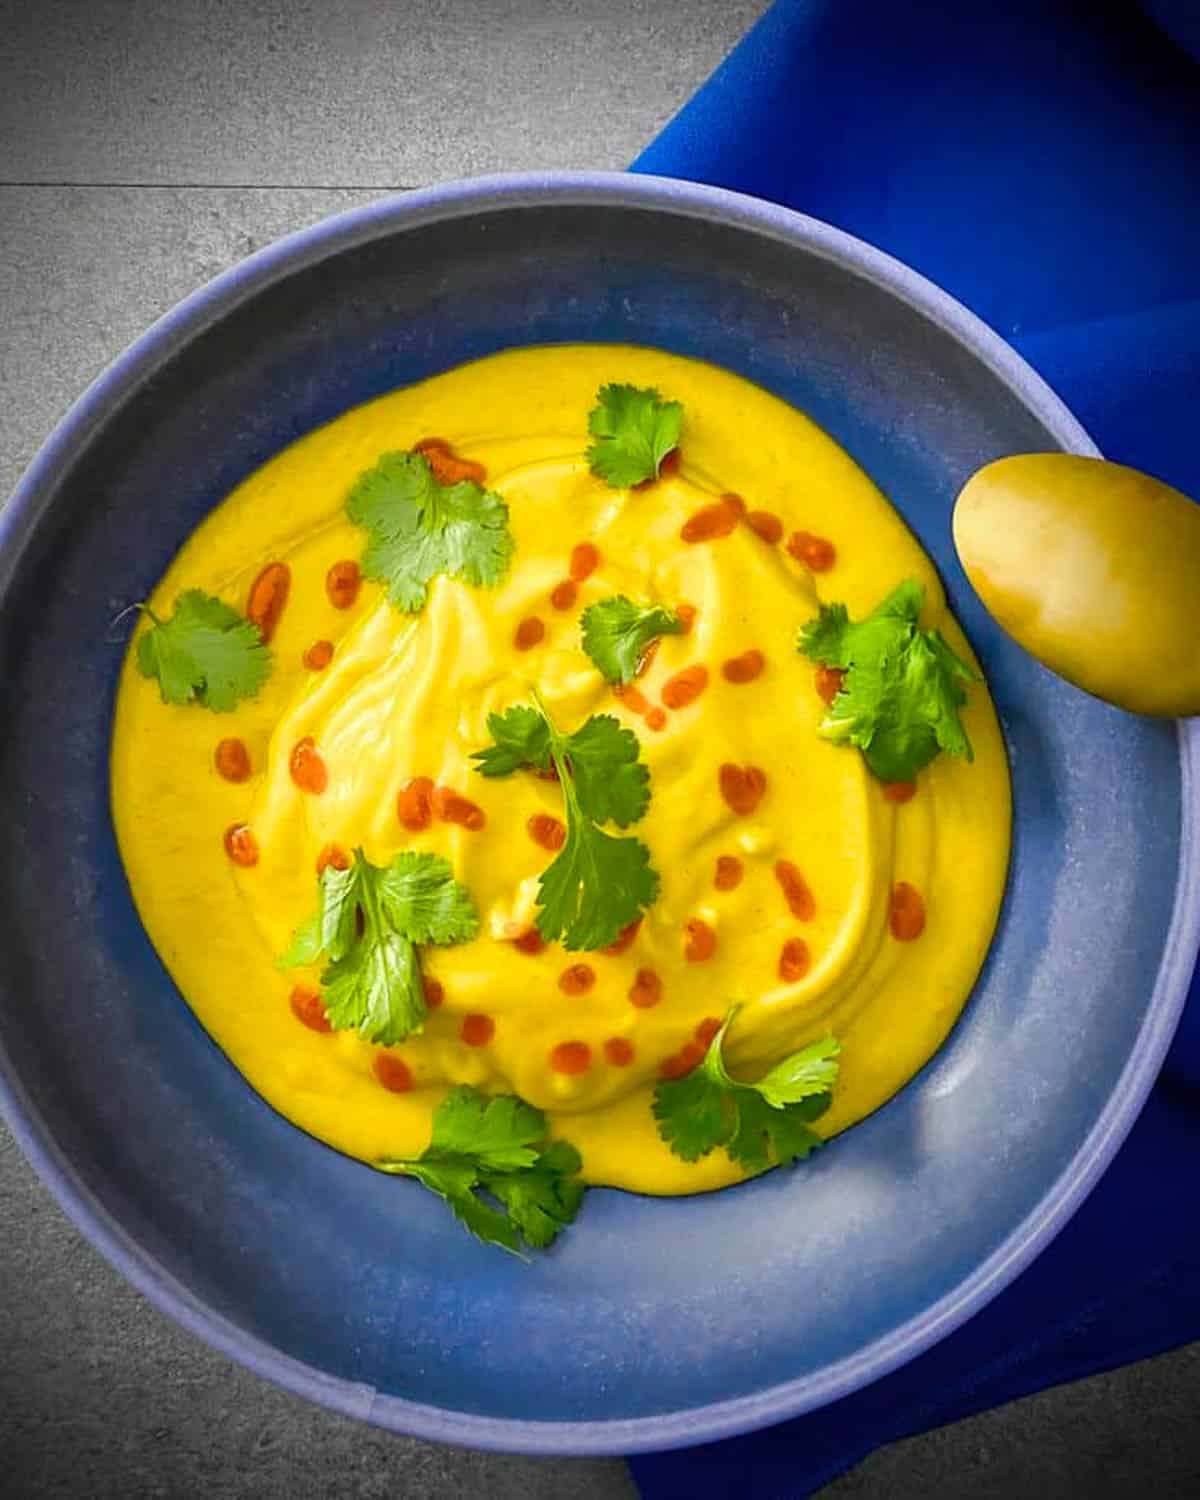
{"x": 788, "y": 909}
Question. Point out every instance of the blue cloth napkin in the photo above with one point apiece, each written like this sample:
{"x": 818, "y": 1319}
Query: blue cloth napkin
{"x": 1040, "y": 160}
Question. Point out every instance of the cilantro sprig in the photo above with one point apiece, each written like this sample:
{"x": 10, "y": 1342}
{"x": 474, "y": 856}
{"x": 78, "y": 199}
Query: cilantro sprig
{"x": 598, "y": 884}
{"x": 761, "y": 1124}
{"x": 205, "y": 653}
{"x": 634, "y": 431}
{"x": 367, "y": 925}
{"x": 419, "y": 528}
{"x": 489, "y": 1159}
{"x": 616, "y": 633}
{"x": 903, "y": 689}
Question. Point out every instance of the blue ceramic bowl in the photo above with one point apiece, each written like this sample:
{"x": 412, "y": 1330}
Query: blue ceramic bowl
{"x": 656, "y": 1322}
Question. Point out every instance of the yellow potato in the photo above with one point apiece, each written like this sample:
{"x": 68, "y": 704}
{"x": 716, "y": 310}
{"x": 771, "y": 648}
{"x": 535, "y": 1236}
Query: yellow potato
{"x": 1095, "y": 569}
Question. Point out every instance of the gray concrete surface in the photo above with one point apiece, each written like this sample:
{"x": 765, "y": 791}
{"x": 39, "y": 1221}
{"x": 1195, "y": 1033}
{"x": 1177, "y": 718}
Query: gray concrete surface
{"x": 349, "y": 92}
{"x": 143, "y": 148}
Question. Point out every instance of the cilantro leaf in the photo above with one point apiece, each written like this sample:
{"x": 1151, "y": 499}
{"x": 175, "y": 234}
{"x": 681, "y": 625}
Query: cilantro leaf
{"x": 418, "y": 894}
{"x": 823, "y": 640}
{"x": 611, "y": 782}
{"x": 811, "y": 1071}
{"x": 903, "y": 688}
{"x": 616, "y": 632}
{"x": 367, "y": 925}
{"x": 767, "y": 1137}
{"x": 376, "y": 989}
{"x": 522, "y": 741}
{"x": 497, "y": 1147}
{"x": 545, "y": 1199}
{"x": 420, "y": 528}
{"x": 694, "y": 1114}
{"x": 759, "y": 1124}
{"x": 597, "y": 884}
{"x": 501, "y": 1132}
{"x": 205, "y": 652}
{"x": 634, "y": 431}
{"x": 455, "y": 1183}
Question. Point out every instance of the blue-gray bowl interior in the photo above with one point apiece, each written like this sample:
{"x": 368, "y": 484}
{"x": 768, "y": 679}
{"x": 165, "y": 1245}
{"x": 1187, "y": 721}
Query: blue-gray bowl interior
{"x": 655, "y": 1322}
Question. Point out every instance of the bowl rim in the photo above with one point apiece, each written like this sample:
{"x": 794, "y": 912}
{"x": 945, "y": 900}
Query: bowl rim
{"x": 713, "y": 1420}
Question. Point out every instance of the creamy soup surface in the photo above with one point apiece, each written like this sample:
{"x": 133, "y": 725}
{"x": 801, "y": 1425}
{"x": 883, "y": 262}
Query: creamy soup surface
{"x": 387, "y": 697}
